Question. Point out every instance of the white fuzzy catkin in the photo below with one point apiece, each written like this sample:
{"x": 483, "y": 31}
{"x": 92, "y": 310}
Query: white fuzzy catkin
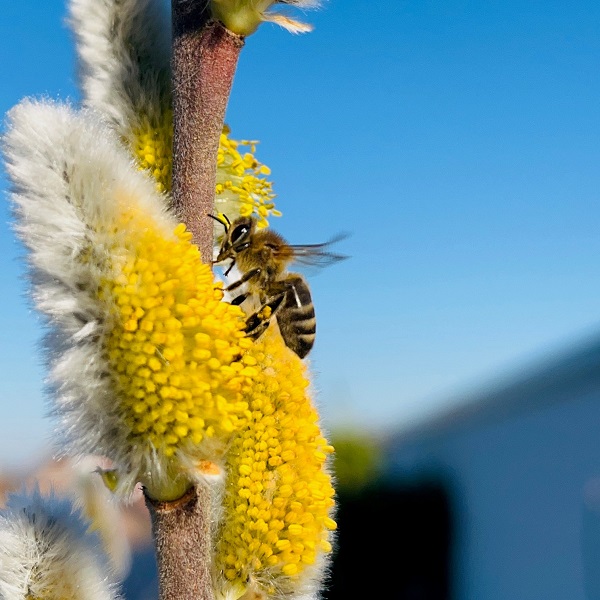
{"x": 68, "y": 172}
{"x": 124, "y": 51}
{"x": 47, "y": 552}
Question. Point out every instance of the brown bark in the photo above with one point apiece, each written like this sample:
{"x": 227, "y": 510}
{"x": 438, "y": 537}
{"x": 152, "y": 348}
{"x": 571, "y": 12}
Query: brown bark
{"x": 205, "y": 56}
{"x": 183, "y": 552}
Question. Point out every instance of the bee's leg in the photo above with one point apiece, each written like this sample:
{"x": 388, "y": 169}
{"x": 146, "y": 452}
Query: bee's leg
{"x": 257, "y": 323}
{"x": 243, "y": 279}
{"x": 239, "y": 299}
{"x": 236, "y": 284}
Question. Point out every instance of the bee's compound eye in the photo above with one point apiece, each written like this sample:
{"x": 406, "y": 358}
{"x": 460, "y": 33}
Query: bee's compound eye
{"x": 238, "y": 233}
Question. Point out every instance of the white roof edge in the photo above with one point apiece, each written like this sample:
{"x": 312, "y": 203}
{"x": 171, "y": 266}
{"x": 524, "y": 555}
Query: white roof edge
{"x": 542, "y": 383}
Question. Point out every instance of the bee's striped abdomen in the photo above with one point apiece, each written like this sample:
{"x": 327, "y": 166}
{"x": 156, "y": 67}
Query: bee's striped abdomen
{"x": 296, "y": 317}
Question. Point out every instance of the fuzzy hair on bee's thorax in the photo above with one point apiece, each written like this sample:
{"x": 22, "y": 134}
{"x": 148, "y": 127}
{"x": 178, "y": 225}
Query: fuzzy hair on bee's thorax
{"x": 267, "y": 251}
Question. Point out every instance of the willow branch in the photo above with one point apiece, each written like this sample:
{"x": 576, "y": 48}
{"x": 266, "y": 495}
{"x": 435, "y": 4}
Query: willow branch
{"x": 205, "y": 56}
{"x": 204, "y": 60}
{"x": 182, "y": 536}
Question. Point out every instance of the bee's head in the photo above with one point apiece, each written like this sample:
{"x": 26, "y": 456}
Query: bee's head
{"x": 237, "y": 236}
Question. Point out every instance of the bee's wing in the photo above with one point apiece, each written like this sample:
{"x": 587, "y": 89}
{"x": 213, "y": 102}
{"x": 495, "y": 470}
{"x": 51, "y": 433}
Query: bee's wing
{"x": 318, "y": 255}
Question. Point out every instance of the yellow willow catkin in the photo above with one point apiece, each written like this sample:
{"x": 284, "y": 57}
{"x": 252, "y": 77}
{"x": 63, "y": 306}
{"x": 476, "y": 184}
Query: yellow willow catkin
{"x": 241, "y": 181}
{"x": 279, "y": 495}
{"x": 152, "y": 146}
{"x": 174, "y": 347}
{"x": 241, "y": 187}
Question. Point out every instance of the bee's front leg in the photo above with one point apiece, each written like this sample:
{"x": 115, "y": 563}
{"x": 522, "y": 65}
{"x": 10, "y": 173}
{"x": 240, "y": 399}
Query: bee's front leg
{"x": 239, "y": 299}
{"x": 236, "y": 284}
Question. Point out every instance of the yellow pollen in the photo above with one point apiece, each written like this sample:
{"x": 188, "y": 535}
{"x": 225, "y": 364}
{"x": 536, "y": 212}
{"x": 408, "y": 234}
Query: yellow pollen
{"x": 242, "y": 186}
{"x": 168, "y": 398}
{"x": 279, "y": 495}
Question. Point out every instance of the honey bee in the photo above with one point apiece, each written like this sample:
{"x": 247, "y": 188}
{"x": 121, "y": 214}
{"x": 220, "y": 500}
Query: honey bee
{"x": 262, "y": 257}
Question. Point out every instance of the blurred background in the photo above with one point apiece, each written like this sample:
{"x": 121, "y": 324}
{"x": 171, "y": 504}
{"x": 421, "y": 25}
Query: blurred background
{"x": 457, "y": 364}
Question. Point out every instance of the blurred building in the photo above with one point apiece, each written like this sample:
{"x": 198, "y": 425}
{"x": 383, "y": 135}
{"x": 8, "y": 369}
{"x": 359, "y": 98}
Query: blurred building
{"x": 519, "y": 467}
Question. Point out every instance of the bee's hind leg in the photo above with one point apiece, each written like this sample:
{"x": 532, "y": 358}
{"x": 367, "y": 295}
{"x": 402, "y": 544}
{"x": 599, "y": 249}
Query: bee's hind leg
{"x": 257, "y": 323}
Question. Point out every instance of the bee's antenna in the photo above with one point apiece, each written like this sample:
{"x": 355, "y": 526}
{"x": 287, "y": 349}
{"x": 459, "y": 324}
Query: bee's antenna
{"x": 221, "y": 218}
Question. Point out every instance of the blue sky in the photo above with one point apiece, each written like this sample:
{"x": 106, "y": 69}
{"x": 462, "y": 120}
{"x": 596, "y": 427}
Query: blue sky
{"x": 458, "y": 142}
